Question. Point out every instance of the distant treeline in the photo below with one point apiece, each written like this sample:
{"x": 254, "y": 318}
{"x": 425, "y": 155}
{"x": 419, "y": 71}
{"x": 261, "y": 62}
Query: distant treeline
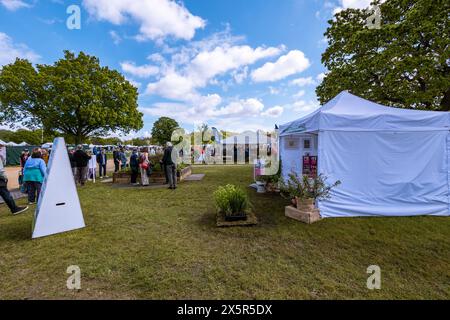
{"x": 36, "y": 137}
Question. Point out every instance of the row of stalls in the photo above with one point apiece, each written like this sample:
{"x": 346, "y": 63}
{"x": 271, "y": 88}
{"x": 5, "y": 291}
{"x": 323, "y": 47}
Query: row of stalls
{"x": 390, "y": 161}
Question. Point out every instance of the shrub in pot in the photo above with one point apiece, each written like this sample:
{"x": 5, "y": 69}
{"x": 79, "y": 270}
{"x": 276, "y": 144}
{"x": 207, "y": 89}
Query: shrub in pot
{"x": 232, "y": 202}
{"x": 304, "y": 191}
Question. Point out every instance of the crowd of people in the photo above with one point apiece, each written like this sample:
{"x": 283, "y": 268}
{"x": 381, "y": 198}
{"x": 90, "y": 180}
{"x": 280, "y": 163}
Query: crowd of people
{"x": 34, "y": 168}
{"x": 32, "y": 173}
{"x": 139, "y": 163}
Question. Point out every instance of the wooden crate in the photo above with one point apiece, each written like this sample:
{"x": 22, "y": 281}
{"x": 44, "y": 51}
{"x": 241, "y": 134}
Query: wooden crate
{"x": 307, "y": 216}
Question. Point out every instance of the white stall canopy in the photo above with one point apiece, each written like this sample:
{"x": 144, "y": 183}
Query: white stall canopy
{"x": 391, "y": 161}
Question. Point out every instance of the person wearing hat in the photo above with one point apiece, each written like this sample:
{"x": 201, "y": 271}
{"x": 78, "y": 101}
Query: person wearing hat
{"x": 4, "y": 192}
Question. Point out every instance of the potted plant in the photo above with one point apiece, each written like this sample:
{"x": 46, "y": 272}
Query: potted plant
{"x": 304, "y": 191}
{"x": 232, "y": 202}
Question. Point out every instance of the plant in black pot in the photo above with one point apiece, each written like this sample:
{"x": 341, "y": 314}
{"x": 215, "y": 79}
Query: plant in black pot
{"x": 232, "y": 202}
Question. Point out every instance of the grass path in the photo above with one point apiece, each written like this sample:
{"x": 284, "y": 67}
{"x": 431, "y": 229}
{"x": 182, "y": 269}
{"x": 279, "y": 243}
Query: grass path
{"x": 159, "y": 244}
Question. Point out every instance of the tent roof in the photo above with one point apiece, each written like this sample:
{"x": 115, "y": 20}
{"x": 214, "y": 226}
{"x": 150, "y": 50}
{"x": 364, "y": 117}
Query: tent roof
{"x": 249, "y": 137}
{"x": 347, "y": 112}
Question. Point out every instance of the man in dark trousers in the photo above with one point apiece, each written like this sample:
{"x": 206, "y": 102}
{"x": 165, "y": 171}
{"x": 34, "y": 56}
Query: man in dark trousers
{"x": 4, "y": 193}
{"x": 81, "y": 159}
{"x": 102, "y": 160}
{"x": 170, "y": 166}
{"x": 116, "y": 158}
{"x": 134, "y": 166}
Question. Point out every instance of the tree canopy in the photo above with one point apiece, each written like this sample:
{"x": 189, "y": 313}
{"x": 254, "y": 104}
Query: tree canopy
{"x": 405, "y": 63}
{"x": 162, "y": 130}
{"x": 75, "y": 96}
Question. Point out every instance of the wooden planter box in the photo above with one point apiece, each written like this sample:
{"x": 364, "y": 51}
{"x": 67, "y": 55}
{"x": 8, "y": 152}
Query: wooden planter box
{"x": 157, "y": 177}
{"x": 122, "y": 177}
{"x": 184, "y": 173}
{"x": 305, "y": 212}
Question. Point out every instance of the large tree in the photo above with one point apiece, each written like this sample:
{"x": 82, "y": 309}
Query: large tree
{"x": 75, "y": 96}
{"x": 405, "y": 63}
{"x": 162, "y": 130}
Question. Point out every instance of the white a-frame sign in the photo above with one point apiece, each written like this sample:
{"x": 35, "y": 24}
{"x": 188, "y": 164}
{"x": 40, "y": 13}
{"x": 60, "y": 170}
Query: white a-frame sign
{"x": 58, "y": 207}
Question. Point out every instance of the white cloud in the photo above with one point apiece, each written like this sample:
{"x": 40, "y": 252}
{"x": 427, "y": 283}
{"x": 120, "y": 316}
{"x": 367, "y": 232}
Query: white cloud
{"x": 302, "y": 82}
{"x": 208, "y": 64}
{"x": 157, "y": 19}
{"x": 240, "y": 75}
{"x": 353, "y": 4}
{"x": 303, "y": 106}
{"x": 14, "y": 5}
{"x": 299, "y": 94}
{"x": 200, "y": 109}
{"x": 287, "y": 65}
{"x": 206, "y": 108}
{"x": 320, "y": 77}
{"x": 274, "y": 90}
{"x": 9, "y": 51}
{"x": 115, "y": 37}
{"x": 143, "y": 71}
{"x": 249, "y": 107}
{"x": 173, "y": 86}
{"x": 187, "y": 74}
{"x": 273, "y": 112}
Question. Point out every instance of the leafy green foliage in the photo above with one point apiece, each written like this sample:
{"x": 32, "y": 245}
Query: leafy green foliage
{"x": 162, "y": 130}
{"x": 405, "y": 63}
{"x": 74, "y": 96}
{"x": 304, "y": 187}
{"x": 32, "y": 137}
{"x": 231, "y": 200}
{"x": 295, "y": 186}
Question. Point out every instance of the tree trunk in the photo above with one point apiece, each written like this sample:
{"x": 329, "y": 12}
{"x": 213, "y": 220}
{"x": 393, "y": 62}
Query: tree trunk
{"x": 445, "y": 103}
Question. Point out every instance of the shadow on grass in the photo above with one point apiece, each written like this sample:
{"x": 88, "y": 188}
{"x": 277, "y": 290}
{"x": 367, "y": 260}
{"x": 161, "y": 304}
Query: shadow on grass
{"x": 16, "y": 230}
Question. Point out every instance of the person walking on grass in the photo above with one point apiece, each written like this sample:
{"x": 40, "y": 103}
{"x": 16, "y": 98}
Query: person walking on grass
{"x": 4, "y": 192}
{"x": 134, "y": 166}
{"x": 33, "y": 175}
{"x": 170, "y": 166}
{"x": 81, "y": 159}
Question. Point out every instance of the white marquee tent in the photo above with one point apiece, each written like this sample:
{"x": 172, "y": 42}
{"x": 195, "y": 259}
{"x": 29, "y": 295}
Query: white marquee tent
{"x": 391, "y": 162}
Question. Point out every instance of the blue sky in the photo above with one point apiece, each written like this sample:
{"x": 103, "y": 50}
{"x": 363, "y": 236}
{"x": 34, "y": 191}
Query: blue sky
{"x": 234, "y": 64}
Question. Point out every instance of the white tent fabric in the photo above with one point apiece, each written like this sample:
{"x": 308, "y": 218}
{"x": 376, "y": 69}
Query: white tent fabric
{"x": 23, "y": 144}
{"x": 391, "y": 162}
{"x": 248, "y": 137}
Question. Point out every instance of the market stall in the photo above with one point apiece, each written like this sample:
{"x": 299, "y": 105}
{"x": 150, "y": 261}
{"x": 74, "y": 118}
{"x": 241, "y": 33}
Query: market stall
{"x": 391, "y": 162}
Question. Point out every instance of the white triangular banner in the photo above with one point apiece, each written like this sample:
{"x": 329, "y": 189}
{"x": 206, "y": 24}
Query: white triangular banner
{"x": 58, "y": 207}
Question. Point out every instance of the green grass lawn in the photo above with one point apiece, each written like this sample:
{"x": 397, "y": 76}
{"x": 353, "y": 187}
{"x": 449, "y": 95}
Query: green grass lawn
{"x": 163, "y": 244}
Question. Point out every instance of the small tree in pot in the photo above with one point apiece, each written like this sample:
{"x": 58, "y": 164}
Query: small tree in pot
{"x": 304, "y": 191}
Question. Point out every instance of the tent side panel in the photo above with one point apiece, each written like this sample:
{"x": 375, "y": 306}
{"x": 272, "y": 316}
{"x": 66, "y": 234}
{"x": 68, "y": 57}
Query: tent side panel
{"x": 448, "y": 170}
{"x": 292, "y": 151}
{"x": 386, "y": 173}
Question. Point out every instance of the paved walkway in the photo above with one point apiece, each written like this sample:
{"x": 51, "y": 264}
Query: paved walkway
{"x": 195, "y": 177}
